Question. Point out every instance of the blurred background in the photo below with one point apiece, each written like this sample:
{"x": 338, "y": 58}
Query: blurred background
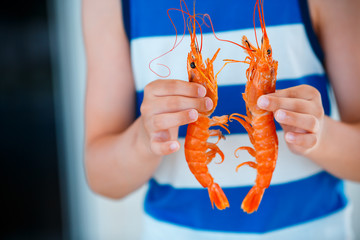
{"x": 44, "y": 194}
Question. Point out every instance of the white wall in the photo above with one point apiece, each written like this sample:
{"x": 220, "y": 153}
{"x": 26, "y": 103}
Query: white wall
{"x": 89, "y": 216}
{"x": 353, "y": 192}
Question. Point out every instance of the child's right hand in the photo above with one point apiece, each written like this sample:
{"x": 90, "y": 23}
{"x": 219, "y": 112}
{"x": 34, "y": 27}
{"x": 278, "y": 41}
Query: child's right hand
{"x": 167, "y": 105}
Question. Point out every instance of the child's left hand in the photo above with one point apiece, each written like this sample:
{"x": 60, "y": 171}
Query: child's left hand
{"x": 300, "y": 113}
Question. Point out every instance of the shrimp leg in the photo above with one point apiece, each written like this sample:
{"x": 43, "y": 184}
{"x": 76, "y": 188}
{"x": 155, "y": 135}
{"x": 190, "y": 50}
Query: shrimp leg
{"x": 251, "y": 164}
{"x": 250, "y": 150}
{"x": 220, "y": 121}
{"x": 218, "y": 133}
{"x": 214, "y": 148}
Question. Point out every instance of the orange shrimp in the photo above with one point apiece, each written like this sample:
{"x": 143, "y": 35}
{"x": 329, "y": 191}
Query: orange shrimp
{"x": 199, "y": 152}
{"x": 261, "y": 79}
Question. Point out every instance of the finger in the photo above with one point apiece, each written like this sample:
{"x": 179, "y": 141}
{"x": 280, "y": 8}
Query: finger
{"x": 306, "y": 122}
{"x": 164, "y": 148}
{"x": 304, "y": 140}
{"x": 272, "y": 103}
{"x": 302, "y": 91}
{"x": 287, "y": 128}
{"x": 160, "y": 136}
{"x": 170, "y": 104}
{"x": 175, "y": 87}
{"x": 169, "y": 120}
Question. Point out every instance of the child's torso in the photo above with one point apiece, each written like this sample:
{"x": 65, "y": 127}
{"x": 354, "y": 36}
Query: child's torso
{"x": 300, "y": 190}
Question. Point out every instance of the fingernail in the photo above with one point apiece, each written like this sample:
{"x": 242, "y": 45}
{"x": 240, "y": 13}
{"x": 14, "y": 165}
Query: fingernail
{"x": 208, "y": 103}
{"x": 280, "y": 115}
{"x": 263, "y": 102}
{"x": 290, "y": 137}
{"x": 201, "y": 91}
{"x": 193, "y": 115}
{"x": 174, "y": 146}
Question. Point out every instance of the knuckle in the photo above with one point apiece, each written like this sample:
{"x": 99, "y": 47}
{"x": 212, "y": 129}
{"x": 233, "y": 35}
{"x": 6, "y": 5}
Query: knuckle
{"x": 169, "y": 85}
{"x": 172, "y": 102}
{"x": 174, "y": 84}
{"x": 148, "y": 88}
{"x": 314, "y": 125}
{"x": 299, "y": 106}
{"x": 300, "y": 141}
{"x": 176, "y": 102}
{"x": 292, "y": 92}
{"x": 295, "y": 90}
{"x": 159, "y": 148}
{"x": 157, "y": 123}
{"x": 314, "y": 92}
{"x": 144, "y": 108}
{"x": 274, "y": 103}
{"x": 148, "y": 126}
{"x": 307, "y": 140}
{"x": 154, "y": 148}
{"x": 312, "y": 141}
{"x": 304, "y": 87}
{"x": 151, "y": 86}
{"x": 321, "y": 112}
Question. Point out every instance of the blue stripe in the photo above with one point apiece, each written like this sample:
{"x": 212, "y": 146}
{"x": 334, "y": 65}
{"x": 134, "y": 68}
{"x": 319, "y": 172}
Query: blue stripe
{"x": 126, "y": 17}
{"x": 229, "y": 95}
{"x": 149, "y": 18}
{"x": 313, "y": 39}
{"x": 283, "y": 205}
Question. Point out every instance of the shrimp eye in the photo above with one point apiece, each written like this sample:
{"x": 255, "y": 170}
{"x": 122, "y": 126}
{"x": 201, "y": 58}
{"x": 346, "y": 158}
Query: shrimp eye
{"x": 269, "y": 51}
{"x": 192, "y": 65}
{"x": 247, "y": 43}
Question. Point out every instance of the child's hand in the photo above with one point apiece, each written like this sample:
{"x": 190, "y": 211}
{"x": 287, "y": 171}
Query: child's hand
{"x": 300, "y": 113}
{"x": 167, "y": 105}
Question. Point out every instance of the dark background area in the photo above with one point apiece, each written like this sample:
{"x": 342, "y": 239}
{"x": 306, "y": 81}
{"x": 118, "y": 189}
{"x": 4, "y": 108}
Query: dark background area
{"x": 30, "y": 203}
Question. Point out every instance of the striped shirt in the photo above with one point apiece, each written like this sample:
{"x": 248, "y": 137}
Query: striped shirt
{"x": 303, "y": 201}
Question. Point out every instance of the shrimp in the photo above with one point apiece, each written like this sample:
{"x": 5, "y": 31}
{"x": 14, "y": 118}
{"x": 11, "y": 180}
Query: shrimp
{"x": 261, "y": 79}
{"x": 199, "y": 152}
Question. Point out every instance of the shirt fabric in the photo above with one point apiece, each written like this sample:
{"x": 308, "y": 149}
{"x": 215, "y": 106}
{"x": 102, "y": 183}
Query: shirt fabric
{"x": 303, "y": 201}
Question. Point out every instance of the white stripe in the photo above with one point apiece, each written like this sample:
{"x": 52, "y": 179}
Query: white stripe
{"x": 332, "y": 227}
{"x": 290, "y": 167}
{"x": 290, "y": 47}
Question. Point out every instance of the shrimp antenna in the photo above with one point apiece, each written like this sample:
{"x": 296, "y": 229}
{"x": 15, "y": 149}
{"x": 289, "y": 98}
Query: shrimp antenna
{"x": 194, "y": 28}
{"x": 256, "y": 39}
{"x": 263, "y": 16}
{"x": 259, "y": 11}
{"x": 223, "y": 40}
{"x": 193, "y": 21}
{"x": 176, "y": 39}
{"x": 201, "y": 34}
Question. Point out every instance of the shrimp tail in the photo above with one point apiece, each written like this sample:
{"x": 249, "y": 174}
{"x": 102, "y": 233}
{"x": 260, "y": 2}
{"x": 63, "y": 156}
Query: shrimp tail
{"x": 217, "y": 196}
{"x": 252, "y": 200}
